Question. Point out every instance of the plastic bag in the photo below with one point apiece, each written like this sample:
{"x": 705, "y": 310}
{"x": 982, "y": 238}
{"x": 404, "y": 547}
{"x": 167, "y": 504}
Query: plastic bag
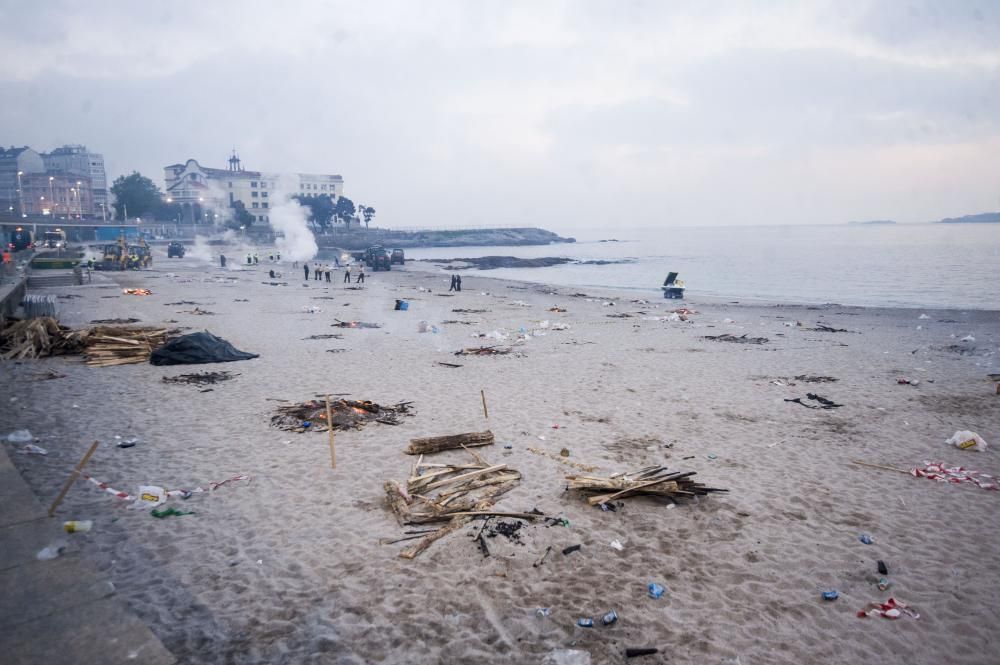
{"x": 20, "y": 436}
{"x": 966, "y": 440}
{"x": 150, "y": 496}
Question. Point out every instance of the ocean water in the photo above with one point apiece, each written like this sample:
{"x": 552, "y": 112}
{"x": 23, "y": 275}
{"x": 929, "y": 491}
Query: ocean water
{"x": 913, "y": 265}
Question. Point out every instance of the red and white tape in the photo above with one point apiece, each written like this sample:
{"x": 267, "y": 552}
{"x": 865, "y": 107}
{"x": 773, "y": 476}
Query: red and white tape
{"x": 125, "y": 496}
{"x": 955, "y": 474}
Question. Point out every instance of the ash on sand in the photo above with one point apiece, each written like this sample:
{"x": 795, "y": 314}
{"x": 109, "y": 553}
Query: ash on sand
{"x": 346, "y": 415}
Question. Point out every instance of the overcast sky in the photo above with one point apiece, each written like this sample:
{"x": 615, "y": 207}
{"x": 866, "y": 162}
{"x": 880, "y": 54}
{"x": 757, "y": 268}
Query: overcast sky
{"x": 564, "y": 115}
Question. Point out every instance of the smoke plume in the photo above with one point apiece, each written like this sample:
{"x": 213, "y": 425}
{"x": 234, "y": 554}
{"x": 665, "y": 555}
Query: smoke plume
{"x": 290, "y": 220}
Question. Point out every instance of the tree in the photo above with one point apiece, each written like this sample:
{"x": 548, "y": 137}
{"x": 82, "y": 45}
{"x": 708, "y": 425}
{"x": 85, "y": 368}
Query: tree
{"x": 344, "y": 211}
{"x": 367, "y": 212}
{"x": 137, "y": 193}
{"x": 168, "y": 211}
{"x": 321, "y": 209}
{"x": 240, "y": 216}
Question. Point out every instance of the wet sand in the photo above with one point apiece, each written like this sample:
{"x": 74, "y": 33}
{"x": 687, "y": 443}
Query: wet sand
{"x": 288, "y": 567}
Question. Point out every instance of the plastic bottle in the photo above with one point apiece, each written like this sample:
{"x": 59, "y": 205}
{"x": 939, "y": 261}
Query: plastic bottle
{"x": 78, "y": 526}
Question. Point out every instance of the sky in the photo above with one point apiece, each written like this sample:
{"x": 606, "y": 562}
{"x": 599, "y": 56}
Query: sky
{"x": 565, "y": 115}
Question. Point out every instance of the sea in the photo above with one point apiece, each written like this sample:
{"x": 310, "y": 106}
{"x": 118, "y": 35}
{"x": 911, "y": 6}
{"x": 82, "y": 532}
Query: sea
{"x": 952, "y": 266}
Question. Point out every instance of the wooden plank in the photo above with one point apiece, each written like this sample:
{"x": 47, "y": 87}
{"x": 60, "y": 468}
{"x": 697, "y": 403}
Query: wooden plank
{"x": 435, "y": 444}
{"x": 466, "y": 476}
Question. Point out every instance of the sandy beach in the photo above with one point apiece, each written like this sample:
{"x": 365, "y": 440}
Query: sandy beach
{"x": 288, "y": 567}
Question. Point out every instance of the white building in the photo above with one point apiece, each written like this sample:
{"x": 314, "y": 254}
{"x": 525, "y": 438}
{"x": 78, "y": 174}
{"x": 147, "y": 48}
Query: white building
{"x": 203, "y": 192}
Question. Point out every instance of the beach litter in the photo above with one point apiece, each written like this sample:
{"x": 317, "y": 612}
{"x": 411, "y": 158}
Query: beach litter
{"x": 955, "y": 475}
{"x": 19, "y": 436}
{"x": 890, "y": 609}
{"x": 655, "y": 590}
{"x": 354, "y": 324}
{"x": 32, "y": 449}
{"x": 330, "y": 336}
{"x": 824, "y": 403}
{"x": 562, "y": 460}
{"x": 742, "y": 339}
{"x": 197, "y": 348}
{"x": 201, "y": 378}
{"x": 452, "y": 493}
{"x": 866, "y": 539}
{"x": 832, "y": 594}
{"x": 345, "y": 415}
{"x": 197, "y": 311}
{"x": 966, "y": 440}
{"x": 484, "y": 351}
{"x": 52, "y": 551}
{"x": 137, "y": 292}
{"x": 809, "y": 378}
{"x": 651, "y": 480}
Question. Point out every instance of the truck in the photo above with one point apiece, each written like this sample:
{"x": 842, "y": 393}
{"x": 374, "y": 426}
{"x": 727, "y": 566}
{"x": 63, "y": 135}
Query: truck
{"x": 377, "y": 258}
{"x": 54, "y": 239}
{"x": 397, "y": 256}
{"x": 20, "y": 239}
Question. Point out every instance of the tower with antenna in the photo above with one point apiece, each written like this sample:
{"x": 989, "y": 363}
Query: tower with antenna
{"x": 234, "y": 162}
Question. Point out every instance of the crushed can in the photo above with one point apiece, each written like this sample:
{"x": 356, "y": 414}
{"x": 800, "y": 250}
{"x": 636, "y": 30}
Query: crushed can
{"x": 585, "y": 622}
{"x": 655, "y": 590}
{"x": 609, "y": 618}
{"x": 831, "y": 595}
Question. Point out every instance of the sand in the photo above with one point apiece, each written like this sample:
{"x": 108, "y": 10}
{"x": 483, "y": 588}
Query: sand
{"x": 288, "y": 567}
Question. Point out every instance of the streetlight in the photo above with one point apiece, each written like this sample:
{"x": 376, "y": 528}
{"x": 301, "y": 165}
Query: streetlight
{"x": 79, "y": 203}
{"x": 69, "y": 209}
{"x": 52, "y": 196}
{"x": 20, "y": 200}
{"x": 41, "y": 204}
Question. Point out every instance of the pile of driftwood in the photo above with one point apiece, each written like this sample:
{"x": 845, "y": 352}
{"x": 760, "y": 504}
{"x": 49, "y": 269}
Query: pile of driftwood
{"x": 436, "y": 444}
{"x": 37, "y": 338}
{"x": 200, "y": 378}
{"x": 742, "y": 339}
{"x": 105, "y": 346}
{"x": 484, "y": 351}
{"x": 102, "y": 346}
{"x": 451, "y": 493}
{"x": 651, "y": 480}
{"x": 346, "y": 414}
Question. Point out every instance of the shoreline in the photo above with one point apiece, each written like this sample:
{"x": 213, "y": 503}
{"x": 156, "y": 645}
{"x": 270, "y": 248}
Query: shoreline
{"x": 290, "y": 565}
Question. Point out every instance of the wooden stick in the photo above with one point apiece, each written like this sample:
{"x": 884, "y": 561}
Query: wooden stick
{"x": 881, "y": 466}
{"x": 329, "y": 428}
{"x": 466, "y": 476}
{"x": 73, "y": 477}
{"x": 486, "y": 413}
{"x": 470, "y": 513}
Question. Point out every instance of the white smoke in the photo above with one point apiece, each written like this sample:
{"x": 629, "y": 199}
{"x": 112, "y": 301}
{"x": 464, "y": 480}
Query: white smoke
{"x": 295, "y": 242}
{"x": 201, "y": 249}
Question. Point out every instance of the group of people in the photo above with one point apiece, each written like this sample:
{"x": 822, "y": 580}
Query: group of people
{"x": 320, "y": 271}
{"x": 456, "y": 283}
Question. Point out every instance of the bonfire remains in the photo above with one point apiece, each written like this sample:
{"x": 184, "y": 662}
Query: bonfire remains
{"x": 347, "y": 414}
{"x": 652, "y": 480}
{"x": 452, "y": 493}
{"x": 484, "y": 351}
{"x": 742, "y": 339}
{"x": 200, "y": 378}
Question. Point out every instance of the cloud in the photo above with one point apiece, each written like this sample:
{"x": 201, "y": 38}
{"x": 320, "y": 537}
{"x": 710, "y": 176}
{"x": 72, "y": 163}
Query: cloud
{"x": 558, "y": 113}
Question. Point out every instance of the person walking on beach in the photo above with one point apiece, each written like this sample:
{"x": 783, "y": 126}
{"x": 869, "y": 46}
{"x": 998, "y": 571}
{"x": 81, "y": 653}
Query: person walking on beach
{"x": 347, "y": 274}
{"x": 328, "y": 271}
{"x": 256, "y": 259}
{"x": 305, "y": 269}
{"x": 249, "y": 259}
{"x": 458, "y": 282}
{"x": 452, "y": 286}
{"x": 222, "y": 260}
{"x": 361, "y": 275}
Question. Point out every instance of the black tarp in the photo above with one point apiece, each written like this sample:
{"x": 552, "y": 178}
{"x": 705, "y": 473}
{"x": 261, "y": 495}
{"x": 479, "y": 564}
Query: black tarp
{"x": 197, "y": 348}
